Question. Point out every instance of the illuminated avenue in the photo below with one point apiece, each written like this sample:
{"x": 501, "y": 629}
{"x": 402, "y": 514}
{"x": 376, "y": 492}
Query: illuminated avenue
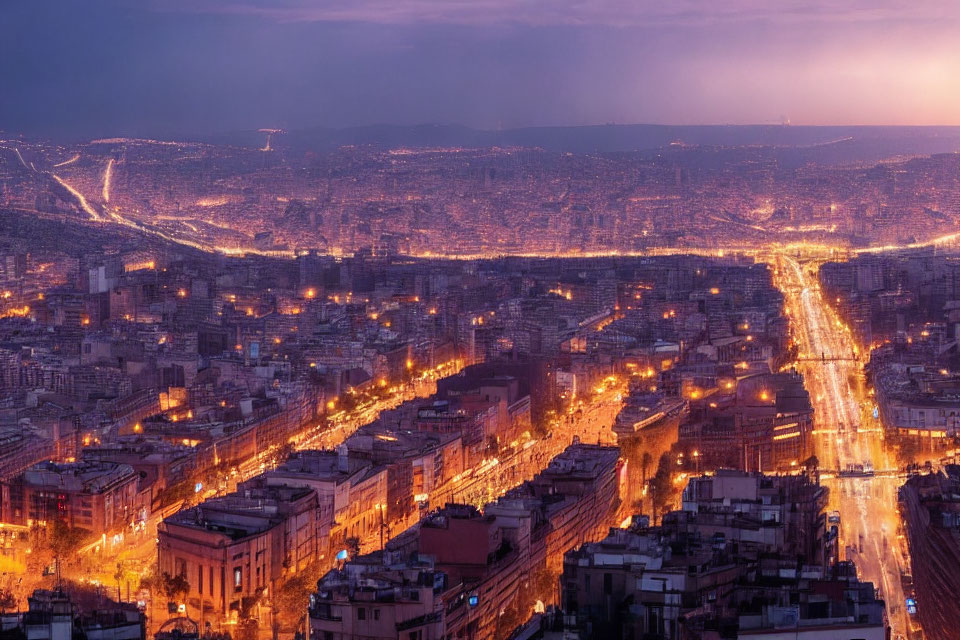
{"x": 847, "y": 436}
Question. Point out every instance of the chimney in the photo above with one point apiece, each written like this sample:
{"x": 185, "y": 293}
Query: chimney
{"x": 343, "y": 458}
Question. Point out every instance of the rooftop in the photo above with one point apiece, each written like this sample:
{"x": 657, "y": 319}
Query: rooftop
{"x": 86, "y": 476}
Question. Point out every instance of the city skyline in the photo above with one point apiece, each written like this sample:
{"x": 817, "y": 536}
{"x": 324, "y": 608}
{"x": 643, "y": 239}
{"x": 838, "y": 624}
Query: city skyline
{"x": 378, "y": 320}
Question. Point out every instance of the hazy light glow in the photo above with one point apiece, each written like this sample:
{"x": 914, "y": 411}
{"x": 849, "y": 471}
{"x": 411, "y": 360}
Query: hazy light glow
{"x": 217, "y": 65}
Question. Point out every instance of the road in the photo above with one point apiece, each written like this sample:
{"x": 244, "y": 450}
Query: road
{"x": 113, "y": 215}
{"x": 846, "y": 434}
{"x": 98, "y": 559}
{"x": 590, "y": 420}
{"x": 82, "y": 201}
{"x": 107, "y": 176}
{"x": 341, "y": 424}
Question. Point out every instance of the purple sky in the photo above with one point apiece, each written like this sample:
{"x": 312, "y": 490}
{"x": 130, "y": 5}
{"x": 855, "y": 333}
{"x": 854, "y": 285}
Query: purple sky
{"x": 154, "y": 66}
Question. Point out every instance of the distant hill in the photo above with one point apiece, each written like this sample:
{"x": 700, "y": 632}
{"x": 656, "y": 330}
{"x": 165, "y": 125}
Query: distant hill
{"x": 835, "y": 144}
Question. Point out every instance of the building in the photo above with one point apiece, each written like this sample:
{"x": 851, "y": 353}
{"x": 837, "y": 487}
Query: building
{"x": 369, "y": 599}
{"x": 727, "y": 566}
{"x": 788, "y": 511}
{"x": 350, "y": 493}
{"x": 764, "y": 422}
{"x": 484, "y": 570}
{"x": 239, "y": 546}
{"x": 57, "y": 615}
{"x": 99, "y": 497}
{"x": 931, "y": 516}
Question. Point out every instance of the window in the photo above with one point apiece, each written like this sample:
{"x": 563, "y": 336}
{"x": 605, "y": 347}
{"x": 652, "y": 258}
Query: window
{"x": 361, "y": 613}
{"x": 200, "y": 579}
{"x": 180, "y": 567}
{"x": 376, "y": 614}
{"x": 210, "y": 575}
{"x": 237, "y": 579}
{"x": 655, "y": 620}
{"x": 607, "y": 583}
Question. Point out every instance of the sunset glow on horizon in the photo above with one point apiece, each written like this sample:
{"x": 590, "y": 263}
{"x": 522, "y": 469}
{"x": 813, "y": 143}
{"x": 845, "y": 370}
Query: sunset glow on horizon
{"x": 190, "y": 66}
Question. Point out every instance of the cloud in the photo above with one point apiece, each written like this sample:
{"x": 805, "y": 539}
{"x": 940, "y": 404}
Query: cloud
{"x": 612, "y": 13}
{"x": 210, "y": 65}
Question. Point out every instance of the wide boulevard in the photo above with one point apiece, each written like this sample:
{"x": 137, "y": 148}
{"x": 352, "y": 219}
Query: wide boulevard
{"x": 847, "y": 436}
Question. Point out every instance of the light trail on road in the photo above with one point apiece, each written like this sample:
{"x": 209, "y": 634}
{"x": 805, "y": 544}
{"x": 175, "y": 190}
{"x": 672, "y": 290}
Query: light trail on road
{"x": 20, "y": 157}
{"x": 90, "y": 211}
{"x": 107, "y": 176}
{"x": 867, "y": 505}
{"x": 69, "y": 161}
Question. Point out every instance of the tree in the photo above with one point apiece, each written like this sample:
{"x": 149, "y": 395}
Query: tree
{"x": 353, "y": 546}
{"x": 8, "y": 601}
{"x": 182, "y": 490}
{"x": 812, "y": 465}
{"x": 645, "y": 461}
{"x": 249, "y": 625}
{"x": 541, "y": 423}
{"x": 118, "y": 576}
{"x": 545, "y": 584}
{"x": 508, "y": 620}
{"x": 661, "y": 485}
{"x": 291, "y": 600}
{"x": 150, "y": 580}
{"x": 65, "y": 541}
{"x": 283, "y": 452}
{"x": 173, "y": 586}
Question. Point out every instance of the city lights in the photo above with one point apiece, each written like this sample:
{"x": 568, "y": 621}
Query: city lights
{"x": 354, "y": 378}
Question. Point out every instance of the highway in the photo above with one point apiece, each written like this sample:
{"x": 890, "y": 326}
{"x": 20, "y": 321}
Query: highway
{"x": 82, "y": 201}
{"x": 68, "y": 161}
{"x": 113, "y": 215}
{"x": 107, "y": 176}
{"x": 846, "y": 434}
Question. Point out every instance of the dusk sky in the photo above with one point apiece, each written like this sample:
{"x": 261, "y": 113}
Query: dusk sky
{"x": 154, "y": 67}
